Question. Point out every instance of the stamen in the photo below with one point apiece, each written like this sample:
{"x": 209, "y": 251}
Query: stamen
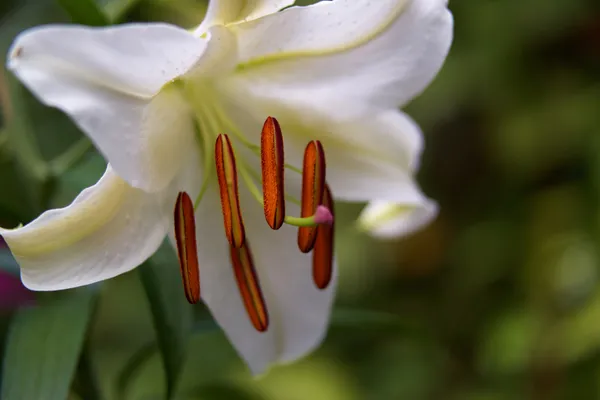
{"x": 238, "y": 134}
{"x": 247, "y": 280}
{"x": 185, "y": 237}
{"x": 271, "y": 144}
{"x": 322, "y": 262}
{"x": 228, "y": 186}
{"x": 313, "y": 184}
{"x": 254, "y": 176}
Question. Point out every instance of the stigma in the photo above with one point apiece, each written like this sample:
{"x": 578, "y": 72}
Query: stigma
{"x": 315, "y": 223}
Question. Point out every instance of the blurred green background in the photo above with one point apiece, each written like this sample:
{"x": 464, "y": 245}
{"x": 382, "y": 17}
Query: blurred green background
{"x": 498, "y": 299}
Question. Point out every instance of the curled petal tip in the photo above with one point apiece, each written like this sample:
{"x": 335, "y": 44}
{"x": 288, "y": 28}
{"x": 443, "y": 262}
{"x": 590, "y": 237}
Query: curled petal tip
{"x": 323, "y": 216}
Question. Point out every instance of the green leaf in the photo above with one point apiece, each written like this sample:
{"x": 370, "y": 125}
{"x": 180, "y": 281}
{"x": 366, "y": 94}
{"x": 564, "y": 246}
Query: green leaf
{"x": 85, "y": 12}
{"x": 132, "y": 368}
{"x": 43, "y": 347}
{"x": 171, "y": 314}
{"x": 87, "y": 384}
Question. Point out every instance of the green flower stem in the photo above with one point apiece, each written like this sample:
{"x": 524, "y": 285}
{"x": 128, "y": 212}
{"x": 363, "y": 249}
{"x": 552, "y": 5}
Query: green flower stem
{"x": 19, "y": 132}
{"x": 71, "y": 156}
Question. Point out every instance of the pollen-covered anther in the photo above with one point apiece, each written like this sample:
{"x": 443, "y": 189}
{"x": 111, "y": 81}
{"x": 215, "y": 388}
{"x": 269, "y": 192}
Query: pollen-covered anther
{"x": 322, "y": 256}
{"x": 185, "y": 237}
{"x": 249, "y": 286}
{"x": 272, "y": 163}
{"x": 313, "y": 186}
{"x": 228, "y": 188}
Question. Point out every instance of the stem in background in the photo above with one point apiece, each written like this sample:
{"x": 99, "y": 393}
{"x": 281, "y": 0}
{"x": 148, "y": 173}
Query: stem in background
{"x": 18, "y": 129}
{"x": 87, "y": 387}
{"x": 86, "y": 382}
{"x": 71, "y": 156}
{"x": 133, "y": 368}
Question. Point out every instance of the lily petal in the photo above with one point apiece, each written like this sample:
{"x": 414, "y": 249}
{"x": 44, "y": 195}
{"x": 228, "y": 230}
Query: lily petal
{"x": 298, "y": 311}
{"x": 109, "y": 229}
{"x": 223, "y": 12}
{"x": 106, "y": 80}
{"x": 387, "y": 220}
{"x": 371, "y": 153}
{"x": 382, "y": 54}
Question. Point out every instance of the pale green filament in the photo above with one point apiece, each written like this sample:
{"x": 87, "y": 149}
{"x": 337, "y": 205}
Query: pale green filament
{"x": 250, "y": 183}
{"x": 211, "y": 120}
{"x": 203, "y": 132}
{"x": 207, "y": 160}
{"x": 240, "y": 136}
{"x": 294, "y": 221}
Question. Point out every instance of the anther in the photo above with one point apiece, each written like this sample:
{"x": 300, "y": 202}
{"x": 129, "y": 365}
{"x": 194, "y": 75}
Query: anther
{"x": 247, "y": 280}
{"x": 185, "y": 237}
{"x": 313, "y": 184}
{"x": 272, "y": 163}
{"x": 228, "y": 187}
{"x": 322, "y": 257}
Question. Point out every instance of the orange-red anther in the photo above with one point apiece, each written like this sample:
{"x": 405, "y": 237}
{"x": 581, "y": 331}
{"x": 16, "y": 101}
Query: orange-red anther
{"x": 228, "y": 188}
{"x": 313, "y": 185}
{"x": 185, "y": 237}
{"x": 322, "y": 256}
{"x": 249, "y": 286}
{"x": 272, "y": 162}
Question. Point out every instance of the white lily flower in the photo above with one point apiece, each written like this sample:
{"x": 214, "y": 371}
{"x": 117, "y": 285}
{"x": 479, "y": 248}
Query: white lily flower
{"x": 154, "y": 97}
